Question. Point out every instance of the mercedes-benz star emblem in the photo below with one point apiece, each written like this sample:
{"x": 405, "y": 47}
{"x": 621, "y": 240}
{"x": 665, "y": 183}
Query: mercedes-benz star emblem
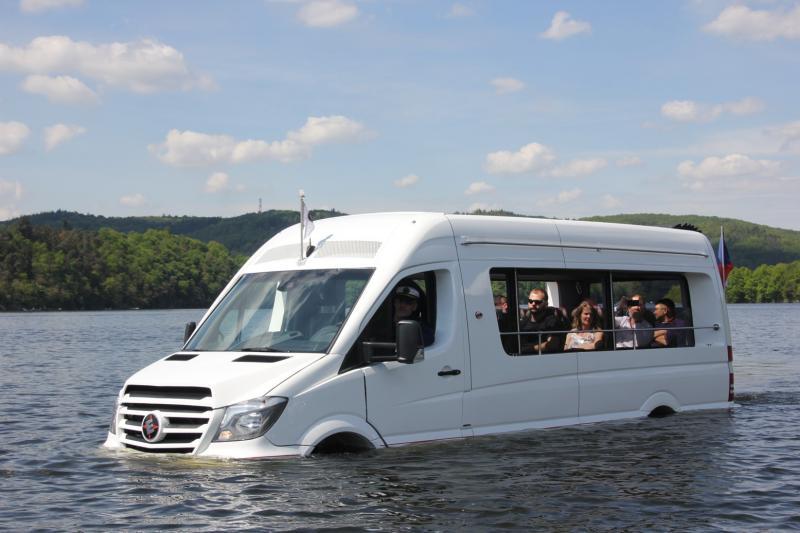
{"x": 153, "y": 427}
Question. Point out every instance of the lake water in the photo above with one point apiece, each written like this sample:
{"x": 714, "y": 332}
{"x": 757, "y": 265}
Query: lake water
{"x": 720, "y": 470}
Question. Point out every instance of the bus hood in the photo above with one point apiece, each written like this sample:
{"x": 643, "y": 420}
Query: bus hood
{"x": 232, "y": 376}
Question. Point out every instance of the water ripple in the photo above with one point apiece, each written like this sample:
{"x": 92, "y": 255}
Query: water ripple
{"x": 715, "y": 470}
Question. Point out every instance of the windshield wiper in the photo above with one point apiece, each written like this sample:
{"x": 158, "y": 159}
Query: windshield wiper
{"x": 261, "y": 349}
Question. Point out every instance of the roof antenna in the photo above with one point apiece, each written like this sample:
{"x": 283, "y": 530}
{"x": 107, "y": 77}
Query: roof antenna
{"x": 306, "y": 227}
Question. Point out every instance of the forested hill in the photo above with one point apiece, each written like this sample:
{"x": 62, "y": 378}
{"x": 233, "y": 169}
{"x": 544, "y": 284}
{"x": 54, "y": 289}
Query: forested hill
{"x": 240, "y": 235}
{"x": 750, "y": 244}
{"x": 63, "y": 260}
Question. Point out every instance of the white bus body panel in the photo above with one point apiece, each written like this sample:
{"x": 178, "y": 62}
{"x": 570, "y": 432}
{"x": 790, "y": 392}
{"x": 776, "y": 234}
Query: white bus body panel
{"x": 390, "y": 403}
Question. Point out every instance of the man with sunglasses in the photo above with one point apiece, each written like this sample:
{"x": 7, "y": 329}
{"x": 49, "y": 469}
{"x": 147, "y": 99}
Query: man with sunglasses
{"x": 540, "y": 318}
{"x": 406, "y": 306}
{"x": 633, "y": 328}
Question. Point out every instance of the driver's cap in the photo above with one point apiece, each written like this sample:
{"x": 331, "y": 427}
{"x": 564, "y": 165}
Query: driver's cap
{"x": 407, "y": 292}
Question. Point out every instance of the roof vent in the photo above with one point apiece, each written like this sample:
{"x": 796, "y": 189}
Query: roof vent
{"x": 366, "y": 249}
{"x": 287, "y": 251}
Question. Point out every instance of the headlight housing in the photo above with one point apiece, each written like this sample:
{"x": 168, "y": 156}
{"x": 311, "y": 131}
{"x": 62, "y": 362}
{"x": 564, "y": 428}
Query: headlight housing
{"x": 250, "y": 419}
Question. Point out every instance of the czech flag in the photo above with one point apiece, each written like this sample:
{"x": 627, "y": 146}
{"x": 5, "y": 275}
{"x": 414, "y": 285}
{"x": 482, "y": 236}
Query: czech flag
{"x": 724, "y": 262}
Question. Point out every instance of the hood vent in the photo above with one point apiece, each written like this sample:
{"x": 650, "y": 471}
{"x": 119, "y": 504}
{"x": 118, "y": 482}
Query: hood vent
{"x": 259, "y": 359}
{"x": 181, "y": 357}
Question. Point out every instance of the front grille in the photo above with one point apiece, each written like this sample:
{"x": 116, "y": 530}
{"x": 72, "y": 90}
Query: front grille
{"x": 185, "y": 414}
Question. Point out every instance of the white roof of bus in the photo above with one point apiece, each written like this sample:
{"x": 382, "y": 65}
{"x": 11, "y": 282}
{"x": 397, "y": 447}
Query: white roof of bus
{"x": 364, "y": 234}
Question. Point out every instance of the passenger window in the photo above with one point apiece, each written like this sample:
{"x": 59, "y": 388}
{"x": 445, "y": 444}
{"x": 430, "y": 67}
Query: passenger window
{"x": 651, "y": 311}
{"x": 507, "y": 315}
{"x": 546, "y": 316}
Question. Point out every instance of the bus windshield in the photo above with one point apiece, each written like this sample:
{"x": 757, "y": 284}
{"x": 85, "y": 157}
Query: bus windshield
{"x": 289, "y": 311}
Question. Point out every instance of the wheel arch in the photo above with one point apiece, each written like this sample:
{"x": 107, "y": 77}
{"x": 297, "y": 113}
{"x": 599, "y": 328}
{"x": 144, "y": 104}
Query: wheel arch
{"x": 330, "y": 427}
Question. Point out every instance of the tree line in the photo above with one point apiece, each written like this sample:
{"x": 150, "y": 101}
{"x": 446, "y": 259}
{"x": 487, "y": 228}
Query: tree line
{"x": 47, "y": 268}
{"x": 765, "y": 283}
{"x": 751, "y": 244}
{"x": 42, "y": 267}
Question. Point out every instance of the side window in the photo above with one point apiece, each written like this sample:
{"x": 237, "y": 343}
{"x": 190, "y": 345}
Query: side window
{"x": 352, "y": 290}
{"x": 651, "y": 311}
{"x": 506, "y": 308}
{"x": 412, "y": 298}
{"x": 546, "y": 310}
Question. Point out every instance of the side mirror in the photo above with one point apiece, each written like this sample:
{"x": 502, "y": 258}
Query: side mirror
{"x": 188, "y": 330}
{"x": 409, "y": 341}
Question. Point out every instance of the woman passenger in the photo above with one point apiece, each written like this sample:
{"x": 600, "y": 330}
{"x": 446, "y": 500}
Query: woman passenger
{"x": 586, "y": 332}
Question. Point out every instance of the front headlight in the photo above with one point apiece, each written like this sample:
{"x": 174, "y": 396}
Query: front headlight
{"x": 250, "y": 419}
{"x": 112, "y": 428}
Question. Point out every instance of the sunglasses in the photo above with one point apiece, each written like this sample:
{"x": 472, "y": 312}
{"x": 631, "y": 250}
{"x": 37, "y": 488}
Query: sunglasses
{"x": 537, "y": 302}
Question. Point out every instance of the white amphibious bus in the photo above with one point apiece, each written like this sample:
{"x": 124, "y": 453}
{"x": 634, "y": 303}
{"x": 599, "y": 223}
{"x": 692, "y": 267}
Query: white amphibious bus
{"x": 382, "y": 330}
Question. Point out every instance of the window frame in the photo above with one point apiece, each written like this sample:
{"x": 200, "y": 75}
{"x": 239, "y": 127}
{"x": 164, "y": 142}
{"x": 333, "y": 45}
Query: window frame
{"x": 607, "y": 277}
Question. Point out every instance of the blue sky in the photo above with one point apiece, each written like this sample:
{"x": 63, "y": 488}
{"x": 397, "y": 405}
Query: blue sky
{"x": 563, "y": 109}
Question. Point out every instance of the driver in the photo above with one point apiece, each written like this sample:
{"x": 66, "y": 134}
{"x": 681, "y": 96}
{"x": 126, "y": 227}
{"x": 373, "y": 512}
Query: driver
{"x": 406, "y": 305}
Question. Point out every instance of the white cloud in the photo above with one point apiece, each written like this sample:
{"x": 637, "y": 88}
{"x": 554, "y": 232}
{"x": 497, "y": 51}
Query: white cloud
{"x": 611, "y": 202}
{"x": 460, "y": 10}
{"x": 327, "y": 13}
{"x": 629, "y": 161}
{"x": 745, "y": 106}
{"x": 482, "y": 206}
{"x": 61, "y": 89}
{"x": 563, "y": 197}
{"x": 725, "y": 168}
{"x": 406, "y": 181}
{"x": 531, "y": 157}
{"x": 7, "y": 213}
{"x": 767, "y": 140}
{"x": 60, "y": 133}
{"x": 189, "y": 148}
{"x": 478, "y": 187}
{"x": 10, "y": 194}
{"x": 37, "y": 6}
{"x": 12, "y": 136}
{"x": 739, "y": 21}
{"x": 10, "y": 190}
{"x": 217, "y": 182}
{"x": 143, "y": 66}
{"x": 132, "y": 200}
{"x": 789, "y": 136}
{"x": 691, "y": 111}
{"x": 681, "y": 110}
{"x": 507, "y": 85}
{"x": 579, "y": 167}
{"x": 319, "y": 130}
{"x": 563, "y": 26}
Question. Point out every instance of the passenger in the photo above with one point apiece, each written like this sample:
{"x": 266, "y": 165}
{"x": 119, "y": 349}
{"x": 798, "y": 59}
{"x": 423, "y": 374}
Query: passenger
{"x": 666, "y": 319}
{"x": 500, "y": 306}
{"x": 633, "y": 330}
{"x": 406, "y": 302}
{"x": 586, "y": 332}
{"x": 541, "y": 318}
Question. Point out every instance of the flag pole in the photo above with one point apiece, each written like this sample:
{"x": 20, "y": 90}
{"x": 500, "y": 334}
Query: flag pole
{"x": 302, "y": 220}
